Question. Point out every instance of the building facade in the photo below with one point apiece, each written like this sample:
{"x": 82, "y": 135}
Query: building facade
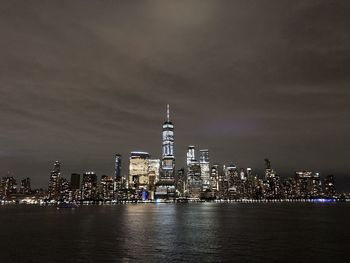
{"x": 205, "y": 169}
{"x": 54, "y": 182}
{"x": 168, "y": 158}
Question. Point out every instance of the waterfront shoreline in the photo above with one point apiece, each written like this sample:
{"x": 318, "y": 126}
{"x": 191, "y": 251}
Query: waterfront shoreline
{"x": 179, "y": 201}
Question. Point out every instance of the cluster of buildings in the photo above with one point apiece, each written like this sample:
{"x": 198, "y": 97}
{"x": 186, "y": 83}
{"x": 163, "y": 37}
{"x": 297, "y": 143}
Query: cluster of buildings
{"x": 151, "y": 179}
{"x": 11, "y": 190}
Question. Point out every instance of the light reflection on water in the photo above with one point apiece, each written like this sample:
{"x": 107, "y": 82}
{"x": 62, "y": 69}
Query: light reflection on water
{"x": 205, "y": 232}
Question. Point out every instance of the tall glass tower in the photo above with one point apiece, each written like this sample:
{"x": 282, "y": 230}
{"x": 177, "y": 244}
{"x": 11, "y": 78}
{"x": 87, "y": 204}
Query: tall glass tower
{"x": 168, "y": 159}
{"x": 118, "y": 178}
{"x": 205, "y": 171}
{"x": 190, "y": 155}
{"x": 117, "y": 167}
{"x": 54, "y": 187}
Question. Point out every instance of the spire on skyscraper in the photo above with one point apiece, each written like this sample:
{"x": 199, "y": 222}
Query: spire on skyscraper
{"x": 167, "y": 113}
{"x": 168, "y": 160}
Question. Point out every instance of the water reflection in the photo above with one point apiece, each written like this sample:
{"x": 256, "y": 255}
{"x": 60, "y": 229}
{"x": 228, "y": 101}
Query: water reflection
{"x": 183, "y": 232}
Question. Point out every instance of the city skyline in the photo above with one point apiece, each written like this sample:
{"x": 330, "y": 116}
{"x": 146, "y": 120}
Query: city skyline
{"x": 174, "y": 131}
{"x": 92, "y": 82}
{"x": 148, "y": 179}
{"x": 168, "y": 151}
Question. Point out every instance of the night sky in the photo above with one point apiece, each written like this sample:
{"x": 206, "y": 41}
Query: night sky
{"x": 83, "y": 80}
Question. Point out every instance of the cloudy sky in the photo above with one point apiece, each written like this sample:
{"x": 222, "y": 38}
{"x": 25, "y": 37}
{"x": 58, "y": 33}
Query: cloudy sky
{"x": 83, "y": 80}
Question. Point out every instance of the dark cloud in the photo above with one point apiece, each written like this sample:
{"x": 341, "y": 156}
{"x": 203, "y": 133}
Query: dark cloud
{"x": 82, "y": 80}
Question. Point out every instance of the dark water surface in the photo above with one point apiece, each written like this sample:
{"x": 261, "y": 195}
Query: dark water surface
{"x": 205, "y": 232}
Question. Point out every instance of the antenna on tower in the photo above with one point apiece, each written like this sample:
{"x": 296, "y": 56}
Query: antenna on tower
{"x": 167, "y": 112}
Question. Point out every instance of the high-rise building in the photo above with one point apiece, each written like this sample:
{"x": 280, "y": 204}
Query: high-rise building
{"x": 302, "y": 179}
{"x": 252, "y": 185}
{"x": 8, "y": 186}
{"x": 194, "y": 171}
{"x": 329, "y": 188}
{"x": 2, "y": 188}
{"x": 118, "y": 178}
{"x": 64, "y": 189}
{"x": 181, "y": 182}
{"x": 106, "y": 187}
{"x": 249, "y": 172}
{"x": 138, "y": 170}
{"x": 25, "y": 186}
{"x": 89, "y": 186}
{"x": 190, "y": 154}
{"x": 205, "y": 170}
{"x": 242, "y": 174}
{"x": 117, "y": 167}
{"x": 272, "y": 181}
{"x": 153, "y": 168}
{"x": 234, "y": 182}
{"x": 194, "y": 180}
{"x": 214, "y": 178}
{"x": 75, "y": 181}
{"x": 54, "y": 182}
{"x": 153, "y": 176}
{"x": 269, "y": 172}
{"x": 165, "y": 187}
{"x": 315, "y": 185}
{"x": 168, "y": 158}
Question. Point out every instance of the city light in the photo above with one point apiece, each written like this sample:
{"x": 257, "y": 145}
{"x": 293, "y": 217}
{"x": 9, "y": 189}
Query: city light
{"x": 156, "y": 180}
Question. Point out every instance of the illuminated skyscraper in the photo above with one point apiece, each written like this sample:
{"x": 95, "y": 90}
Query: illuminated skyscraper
{"x": 190, "y": 155}
{"x": 138, "y": 170}
{"x": 234, "y": 181}
{"x": 194, "y": 180}
{"x": 117, "y": 167}
{"x": 89, "y": 186}
{"x": 214, "y": 178}
{"x": 249, "y": 172}
{"x": 153, "y": 168}
{"x": 8, "y": 185}
{"x": 153, "y": 176}
{"x": 64, "y": 189}
{"x": 54, "y": 182}
{"x": 119, "y": 181}
{"x": 194, "y": 172}
{"x": 271, "y": 181}
{"x": 138, "y": 181}
{"x": 165, "y": 187}
{"x": 106, "y": 187}
{"x": 329, "y": 188}
{"x": 205, "y": 171}
{"x": 180, "y": 181}
{"x": 242, "y": 174}
{"x": 168, "y": 159}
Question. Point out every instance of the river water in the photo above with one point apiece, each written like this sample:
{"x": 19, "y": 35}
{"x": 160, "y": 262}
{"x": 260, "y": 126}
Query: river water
{"x": 198, "y": 232}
